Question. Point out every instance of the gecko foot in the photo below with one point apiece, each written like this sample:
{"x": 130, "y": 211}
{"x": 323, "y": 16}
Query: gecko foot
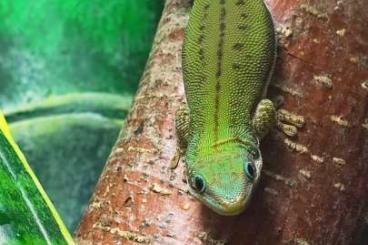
{"x": 289, "y": 122}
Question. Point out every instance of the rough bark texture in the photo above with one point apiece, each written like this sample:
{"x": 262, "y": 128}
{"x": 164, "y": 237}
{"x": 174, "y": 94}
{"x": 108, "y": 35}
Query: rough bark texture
{"x": 314, "y": 186}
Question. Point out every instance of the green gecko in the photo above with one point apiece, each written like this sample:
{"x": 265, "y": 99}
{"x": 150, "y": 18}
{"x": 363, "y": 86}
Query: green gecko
{"x": 228, "y": 57}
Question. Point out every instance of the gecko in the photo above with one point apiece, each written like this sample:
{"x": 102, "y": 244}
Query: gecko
{"x": 228, "y": 57}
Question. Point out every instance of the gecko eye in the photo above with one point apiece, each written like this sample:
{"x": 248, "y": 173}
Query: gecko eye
{"x": 198, "y": 183}
{"x": 250, "y": 170}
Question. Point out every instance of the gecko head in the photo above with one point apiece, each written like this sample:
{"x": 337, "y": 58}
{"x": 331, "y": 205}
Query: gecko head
{"x": 225, "y": 181}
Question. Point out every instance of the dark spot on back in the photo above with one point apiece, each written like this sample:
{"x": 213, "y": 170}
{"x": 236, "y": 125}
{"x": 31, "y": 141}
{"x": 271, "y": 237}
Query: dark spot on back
{"x": 243, "y": 15}
{"x": 236, "y": 66}
{"x": 242, "y": 27}
{"x": 238, "y": 46}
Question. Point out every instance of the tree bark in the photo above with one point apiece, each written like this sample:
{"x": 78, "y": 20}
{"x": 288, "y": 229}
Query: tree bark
{"x": 314, "y": 186}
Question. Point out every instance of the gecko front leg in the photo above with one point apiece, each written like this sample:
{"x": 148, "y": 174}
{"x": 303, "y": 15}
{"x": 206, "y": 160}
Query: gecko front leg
{"x": 264, "y": 118}
{"x": 182, "y": 131}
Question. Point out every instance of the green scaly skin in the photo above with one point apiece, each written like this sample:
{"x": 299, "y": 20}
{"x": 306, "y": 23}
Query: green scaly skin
{"x": 228, "y": 58}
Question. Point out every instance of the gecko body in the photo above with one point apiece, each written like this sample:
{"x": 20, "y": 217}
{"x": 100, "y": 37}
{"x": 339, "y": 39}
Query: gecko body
{"x": 228, "y": 58}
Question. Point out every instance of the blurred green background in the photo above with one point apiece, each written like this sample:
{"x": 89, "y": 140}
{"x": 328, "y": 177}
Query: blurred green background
{"x": 68, "y": 72}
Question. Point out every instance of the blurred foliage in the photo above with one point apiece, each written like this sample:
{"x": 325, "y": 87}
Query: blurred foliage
{"x": 26, "y": 214}
{"x": 68, "y": 71}
{"x": 54, "y": 46}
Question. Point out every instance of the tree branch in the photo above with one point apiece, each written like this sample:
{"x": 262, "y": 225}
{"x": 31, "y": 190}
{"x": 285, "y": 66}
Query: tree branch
{"x": 314, "y": 186}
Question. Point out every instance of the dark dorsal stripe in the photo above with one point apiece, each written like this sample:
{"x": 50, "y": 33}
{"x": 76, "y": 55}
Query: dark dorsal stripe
{"x": 202, "y": 29}
{"x": 220, "y": 56}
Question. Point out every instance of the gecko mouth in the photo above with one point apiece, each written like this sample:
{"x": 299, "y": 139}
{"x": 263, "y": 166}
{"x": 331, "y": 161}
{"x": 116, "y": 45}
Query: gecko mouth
{"x": 219, "y": 205}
